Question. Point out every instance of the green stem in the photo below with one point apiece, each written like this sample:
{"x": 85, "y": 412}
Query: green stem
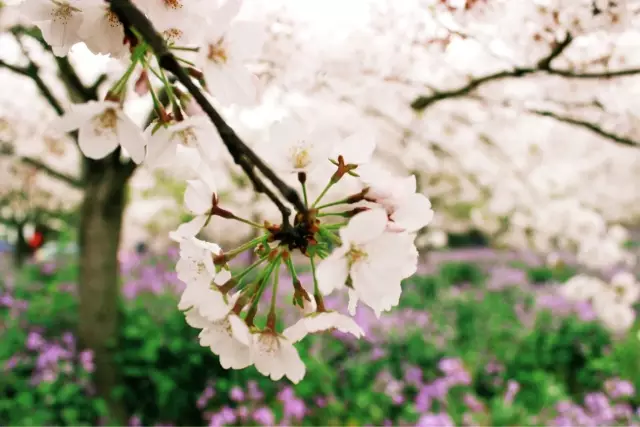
{"x": 274, "y": 291}
{"x": 249, "y": 222}
{"x": 249, "y": 245}
{"x": 291, "y": 268}
{"x": 170, "y": 93}
{"x": 249, "y": 269}
{"x": 316, "y": 289}
{"x": 324, "y": 191}
{"x": 185, "y": 61}
{"x": 185, "y": 48}
{"x": 336, "y": 203}
{"x": 137, "y": 55}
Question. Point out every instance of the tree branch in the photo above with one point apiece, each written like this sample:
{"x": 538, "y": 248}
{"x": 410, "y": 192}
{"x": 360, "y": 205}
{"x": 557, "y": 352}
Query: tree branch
{"x": 32, "y": 71}
{"x": 543, "y": 66}
{"x": 5, "y": 150}
{"x": 586, "y": 125}
{"x": 246, "y": 158}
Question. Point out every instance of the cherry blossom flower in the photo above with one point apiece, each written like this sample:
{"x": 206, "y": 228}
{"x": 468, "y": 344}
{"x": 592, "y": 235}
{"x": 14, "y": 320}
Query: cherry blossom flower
{"x": 275, "y": 356}
{"x": 614, "y": 315}
{"x": 582, "y": 288}
{"x": 181, "y": 21}
{"x": 295, "y": 146}
{"x": 198, "y": 199}
{"x": 356, "y": 149}
{"x": 323, "y": 321}
{"x": 408, "y": 211}
{"x": 194, "y": 133}
{"x": 373, "y": 258}
{"x": 102, "y": 127}
{"x": 59, "y": 21}
{"x": 102, "y": 31}
{"x": 625, "y": 287}
{"x": 226, "y": 49}
{"x": 229, "y": 338}
{"x": 196, "y": 261}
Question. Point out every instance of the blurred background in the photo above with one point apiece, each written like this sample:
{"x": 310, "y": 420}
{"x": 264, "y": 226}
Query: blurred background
{"x": 520, "y": 122}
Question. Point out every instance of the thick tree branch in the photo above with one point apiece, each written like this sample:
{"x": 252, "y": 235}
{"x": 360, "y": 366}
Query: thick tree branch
{"x": 543, "y": 66}
{"x": 587, "y": 125}
{"x": 246, "y": 158}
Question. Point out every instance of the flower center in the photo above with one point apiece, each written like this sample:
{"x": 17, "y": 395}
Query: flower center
{"x": 112, "y": 19}
{"x": 187, "y": 137}
{"x": 173, "y": 4}
{"x": 217, "y": 53}
{"x": 63, "y": 11}
{"x": 300, "y": 157}
{"x": 106, "y": 122}
{"x": 172, "y": 35}
{"x": 355, "y": 254}
{"x": 269, "y": 343}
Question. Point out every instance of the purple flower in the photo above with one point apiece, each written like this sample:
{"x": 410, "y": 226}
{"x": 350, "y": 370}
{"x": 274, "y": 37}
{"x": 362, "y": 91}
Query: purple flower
{"x": 617, "y": 388}
{"x": 34, "y": 341}
{"x": 473, "y": 403}
{"x": 86, "y": 360}
{"x": 236, "y": 394}
{"x": 254, "y": 390}
{"x": 204, "y": 398}
{"x": 264, "y": 416}
{"x": 435, "y": 420}
{"x": 135, "y": 421}
{"x": 512, "y": 389}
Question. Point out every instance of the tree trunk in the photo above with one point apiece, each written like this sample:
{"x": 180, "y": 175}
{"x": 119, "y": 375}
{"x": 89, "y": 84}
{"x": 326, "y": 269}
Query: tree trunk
{"x": 99, "y": 239}
{"x": 21, "y": 248}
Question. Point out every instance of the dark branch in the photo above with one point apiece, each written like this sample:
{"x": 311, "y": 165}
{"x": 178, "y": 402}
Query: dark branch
{"x": 32, "y": 71}
{"x": 587, "y": 125}
{"x": 6, "y": 150}
{"x": 246, "y": 158}
{"x": 543, "y": 66}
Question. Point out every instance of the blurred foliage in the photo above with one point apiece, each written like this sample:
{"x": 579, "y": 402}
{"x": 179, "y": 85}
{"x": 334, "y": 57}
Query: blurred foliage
{"x": 166, "y": 374}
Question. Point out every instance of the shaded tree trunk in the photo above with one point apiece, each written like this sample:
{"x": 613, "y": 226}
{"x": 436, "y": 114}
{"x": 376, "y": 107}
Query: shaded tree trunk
{"x": 99, "y": 240}
{"x": 20, "y": 248}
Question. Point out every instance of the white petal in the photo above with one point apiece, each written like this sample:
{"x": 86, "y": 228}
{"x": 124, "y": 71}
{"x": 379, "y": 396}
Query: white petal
{"x": 332, "y": 272}
{"x": 161, "y": 150}
{"x": 197, "y": 197}
{"x": 222, "y": 277}
{"x": 353, "y": 302}
{"x": 357, "y": 148}
{"x": 78, "y": 115}
{"x": 240, "y": 329}
{"x": 131, "y": 138}
{"x": 291, "y": 361}
{"x": 413, "y": 213}
{"x": 297, "y": 331}
{"x": 245, "y": 40}
{"x": 95, "y": 146}
{"x": 364, "y": 226}
{"x": 232, "y": 84}
{"x": 188, "y": 229}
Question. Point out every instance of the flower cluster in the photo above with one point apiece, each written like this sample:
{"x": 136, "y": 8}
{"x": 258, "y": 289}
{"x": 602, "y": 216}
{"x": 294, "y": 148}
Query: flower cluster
{"x": 363, "y": 242}
{"x": 611, "y": 300}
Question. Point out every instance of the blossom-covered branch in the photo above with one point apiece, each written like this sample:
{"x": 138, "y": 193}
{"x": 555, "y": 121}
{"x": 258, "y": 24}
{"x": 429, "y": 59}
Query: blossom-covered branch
{"x": 586, "y": 125}
{"x": 132, "y": 17}
{"x": 542, "y": 66}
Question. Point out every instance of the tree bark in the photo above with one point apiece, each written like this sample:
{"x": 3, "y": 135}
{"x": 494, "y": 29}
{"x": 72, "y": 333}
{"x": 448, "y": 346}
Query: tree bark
{"x": 99, "y": 240}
